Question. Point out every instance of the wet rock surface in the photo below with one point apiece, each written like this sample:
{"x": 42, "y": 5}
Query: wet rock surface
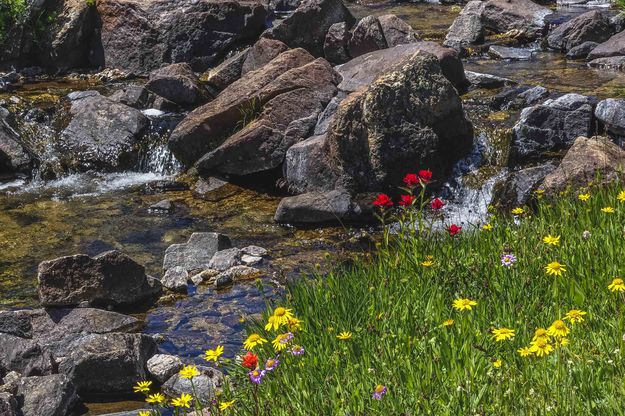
{"x": 593, "y": 26}
{"x": 179, "y": 84}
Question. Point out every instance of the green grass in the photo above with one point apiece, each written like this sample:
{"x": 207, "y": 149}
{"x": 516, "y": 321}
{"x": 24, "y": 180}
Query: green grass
{"x": 11, "y": 12}
{"x": 395, "y": 308}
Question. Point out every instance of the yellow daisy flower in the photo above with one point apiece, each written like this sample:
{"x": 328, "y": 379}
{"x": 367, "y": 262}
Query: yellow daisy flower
{"x": 142, "y": 387}
{"x": 540, "y": 333}
{"x": 555, "y": 269}
{"x": 344, "y": 336}
{"x": 183, "y": 401}
{"x": 213, "y": 355}
{"x": 448, "y": 322}
{"x": 487, "y": 227}
{"x": 575, "y": 316}
{"x": 156, "y": 398}
{"x": 562, "y": 342}
{"x": 280, "y": 317}
{"x": 427, "y": 263}
{"x": 189, "y": 371}
{"x": 539, "y": 193}
{"x": 525, "y": 351}
{"x": 517, "y": 211}
{"x": 497, "y": 363}
{"x": 294, "y": 324}
{"x": 558, "y": 329}
{"x": 583, "y": 197}
{"x": 617, "y": 285}
{"x": 502, "y": 334}
{"x": 608, "y": 210}
{"x": 252, "y": 341}
{"x": 621, "y": 196}
{"x": 552, "y": 240}
{"x": 144, "y": 413}
{"x": 464, "y": 304}
{"x": 541, "y": 347}
{"x": 281, "y": 341}
{"x": 226, "y": 405}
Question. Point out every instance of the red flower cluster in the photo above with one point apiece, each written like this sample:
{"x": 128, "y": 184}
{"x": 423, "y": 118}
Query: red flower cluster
{"x": 437, "y": 204}
{"x": 406, "y": 200}
{"x": 383, "y": 200}
{"x": 453, "y": 229}
{"x": 413, "y": 179}
{"x": 249, "y": 360}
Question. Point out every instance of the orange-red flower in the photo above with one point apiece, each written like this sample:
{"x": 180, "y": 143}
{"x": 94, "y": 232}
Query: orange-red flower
{"x": 383, "y": 200}
{"x": 453, "y": 229}
{"x": 249, "y": 360}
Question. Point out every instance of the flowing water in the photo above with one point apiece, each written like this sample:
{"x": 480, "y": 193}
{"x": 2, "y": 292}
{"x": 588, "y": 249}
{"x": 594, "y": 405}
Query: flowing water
{"x": 94, "y": 212}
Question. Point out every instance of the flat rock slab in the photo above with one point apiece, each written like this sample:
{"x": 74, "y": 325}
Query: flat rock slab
{"x": 512, "y": 54}
{"x": 196, "y": 253}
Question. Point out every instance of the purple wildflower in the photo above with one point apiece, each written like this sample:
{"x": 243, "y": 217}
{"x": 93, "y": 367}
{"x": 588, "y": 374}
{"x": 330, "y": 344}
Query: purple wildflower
{"x": 256, "y": 376}
{"x": 271, "y": 364}
{"x": 379, "y": 392}
{"x": 297, "y": 350}
{"x": 508, "y": 260}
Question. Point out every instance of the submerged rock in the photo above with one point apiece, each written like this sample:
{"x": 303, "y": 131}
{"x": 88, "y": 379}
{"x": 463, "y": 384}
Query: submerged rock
{"x": 102, "y": 134}
{"x": 179, "y": 84}
{"x": 225, "y": 259}
{"x": 587, "y": 159}
{"x": 551, "y": 126}
{"x": 616, "y": 63}
{"x": 141, "y": 37}
{"x": 581, "y": 51}
{"x": 512, "y": 54}
{"x": 196, "y": 253}
{"x": 479, "y": 80}
{"x": 111, "y": 278}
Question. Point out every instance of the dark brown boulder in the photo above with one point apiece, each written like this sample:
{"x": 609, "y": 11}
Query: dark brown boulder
{"x": 261, "y": 54}
{"x": 335, "y": 43}
{"x": 111, "y": 278}
{"x": 140, "y": 36}
{"x": 307, "y": 26}
{"x": 366, "y": 37}
{"x": 178, "y": 84}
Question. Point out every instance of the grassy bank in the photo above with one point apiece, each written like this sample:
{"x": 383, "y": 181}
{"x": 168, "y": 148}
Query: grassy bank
{"x": 425, "y": 356}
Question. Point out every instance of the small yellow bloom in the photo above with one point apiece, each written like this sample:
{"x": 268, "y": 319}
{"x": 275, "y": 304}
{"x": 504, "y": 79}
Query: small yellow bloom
{"x": 621, "y": 196}
{"x": 142, "y": 386}
{"x": 189, "y": 371}
{"x": 583, "y": 197}
{"x": 525, "y": 351}
{"x": 294, "y": 324}
{"x": 497, "y": 363}
{"x": 464, "y": 304}
{"x": 517, "y": 211}
{"x": 144, "y": 413}
{"x": 427, "y": 263}
{"x": 226, "y": 405}
{"x": 540, "y": 333}
{"x": 539, "y": 193}
{"x": 281, "y": 341}
{"x": 156, "y": 398}
{"x": 558, "y": 329}
{"x": 541, "y": 347}
{"x": 555, "y": 269}
{"x": 502, "y": 334}
{"x": 183, "y": 401}
{"x": 562, "y": 342}
{"x": 213, "y": 355}
{"x": 344, "y": 336}
{"x": 552, "y": 240}
{"x": 487, "y": 227}
{"x": 280, "y": 317}
{"x": 448, "y": 322}
{"x": 608, "y": 210}
{"x": 575, "y": 316}
{"x": 617, "y": 285}
{"x": 252, "y": 341}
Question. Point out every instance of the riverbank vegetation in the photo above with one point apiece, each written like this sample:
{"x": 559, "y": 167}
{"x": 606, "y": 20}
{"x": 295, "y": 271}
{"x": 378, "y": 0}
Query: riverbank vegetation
{"x": 520, "y": 315}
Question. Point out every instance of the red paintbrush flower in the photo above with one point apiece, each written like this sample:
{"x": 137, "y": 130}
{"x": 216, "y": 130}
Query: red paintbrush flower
{"x": 425, "y": 176}
{"x": 249, "y": 360}
{"x": 406, "y": 200}
{"x": 437, "y": 204}
{"x": 411, "y": 179}
{"x": 383, "y": 200}
{"x": 453, "y": 229}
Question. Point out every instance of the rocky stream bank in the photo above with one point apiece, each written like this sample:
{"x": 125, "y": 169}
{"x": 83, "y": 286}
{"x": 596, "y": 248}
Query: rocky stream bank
{"x": 198, "y": 154}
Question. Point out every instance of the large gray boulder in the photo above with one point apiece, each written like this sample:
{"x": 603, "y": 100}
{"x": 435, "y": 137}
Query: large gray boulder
{"x": 324, "y": 207}
{"x": 51, "y": 395}
{"x": 102, "y": 134}
{"x": 551, "y": 127}
{"x": 516, "y": 190}
{"x": 178, "y": 84}
{"x": 615, "y": 46}
{"x": 25, "y": 356}
{"x": 8, "y": 405}
{"x": 592, "y": 26}
{"x": 162, "y": 366}
{"x": 196, "y": 253}
{"x": 586, "y": 160}
{"x": 111, "y": 279}
{"x": 523, "y": 19}
{"x": 138, "y": 37}
{"x": 611, "y": 113}
{"x": 205, "y": 385}
{"x": 108, "y": 363}
{"x": 308, "y": 25}
{"x": 410, "y": 117}
{"x": 14, "y": 157}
